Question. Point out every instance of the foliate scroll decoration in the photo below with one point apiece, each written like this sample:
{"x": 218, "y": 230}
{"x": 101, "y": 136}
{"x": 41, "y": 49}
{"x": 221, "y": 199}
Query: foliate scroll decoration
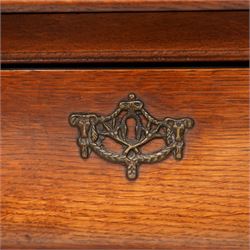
{"x": 93, "y": 129}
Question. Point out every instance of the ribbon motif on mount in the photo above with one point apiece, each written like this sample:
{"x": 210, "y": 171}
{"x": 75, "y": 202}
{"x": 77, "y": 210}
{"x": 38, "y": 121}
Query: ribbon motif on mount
{"x": 94, "y": 129}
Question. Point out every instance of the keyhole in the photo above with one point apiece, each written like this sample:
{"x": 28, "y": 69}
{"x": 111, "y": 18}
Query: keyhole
{"x": 131, "y": 123}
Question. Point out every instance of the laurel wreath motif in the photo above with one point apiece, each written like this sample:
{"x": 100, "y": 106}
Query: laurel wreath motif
{"x": 93, "y": 130}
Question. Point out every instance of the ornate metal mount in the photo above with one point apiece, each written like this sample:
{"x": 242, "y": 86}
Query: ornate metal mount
{"x": 93, "y": 129}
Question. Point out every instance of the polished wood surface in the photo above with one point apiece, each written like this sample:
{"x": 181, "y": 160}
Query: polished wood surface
{"x": 120, "y": 5}
{"x": 53, "y": 199}
{"x": 125, "y": 37}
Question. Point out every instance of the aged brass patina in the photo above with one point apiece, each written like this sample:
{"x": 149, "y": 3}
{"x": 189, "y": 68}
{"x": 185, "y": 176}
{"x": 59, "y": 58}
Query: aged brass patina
{"x": 93, "y": 129}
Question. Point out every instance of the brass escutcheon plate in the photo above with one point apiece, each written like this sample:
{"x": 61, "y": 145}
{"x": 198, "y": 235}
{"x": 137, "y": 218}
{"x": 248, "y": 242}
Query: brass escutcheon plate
{"x": 93, "y": 129}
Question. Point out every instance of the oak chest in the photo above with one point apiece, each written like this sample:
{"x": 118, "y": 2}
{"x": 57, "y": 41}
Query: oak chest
{"x": 125, "y": 125}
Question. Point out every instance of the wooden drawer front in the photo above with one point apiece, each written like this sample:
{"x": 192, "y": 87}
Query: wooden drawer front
{"x": 51, "y": 198}
{"x": 125, "y": 37}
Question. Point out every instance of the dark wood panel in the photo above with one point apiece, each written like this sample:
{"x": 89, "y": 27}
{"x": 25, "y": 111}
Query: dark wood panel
{"x": 51, "y": 198}
{"x": 120, "y": 5}
{"x": 125, "y": 37}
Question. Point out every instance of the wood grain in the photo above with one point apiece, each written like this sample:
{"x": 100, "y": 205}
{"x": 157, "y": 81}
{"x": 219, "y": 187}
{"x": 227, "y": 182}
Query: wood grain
{"x": 53, "y": 199}
{"x": 125, "y": 37}
{"x": 120, "y": 5}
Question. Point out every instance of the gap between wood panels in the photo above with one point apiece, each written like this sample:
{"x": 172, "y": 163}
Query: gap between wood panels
{"x": 144, "y": 65}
